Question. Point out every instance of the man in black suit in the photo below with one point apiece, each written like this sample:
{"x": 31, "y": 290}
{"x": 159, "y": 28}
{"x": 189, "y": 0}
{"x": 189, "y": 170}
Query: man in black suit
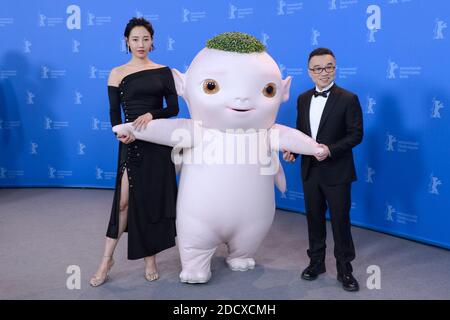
{"x": 333, "y": 117}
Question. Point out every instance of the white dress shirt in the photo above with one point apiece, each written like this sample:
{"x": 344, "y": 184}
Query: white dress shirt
{"x": 316, "y": 110}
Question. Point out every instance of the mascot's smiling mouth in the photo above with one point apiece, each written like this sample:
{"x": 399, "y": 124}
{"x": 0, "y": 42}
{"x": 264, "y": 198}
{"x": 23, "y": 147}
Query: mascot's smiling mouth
{"x": 240, "y": 110}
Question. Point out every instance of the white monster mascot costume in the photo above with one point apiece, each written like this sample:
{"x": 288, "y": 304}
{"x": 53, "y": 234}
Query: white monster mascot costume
{"x": 228, "y": 151}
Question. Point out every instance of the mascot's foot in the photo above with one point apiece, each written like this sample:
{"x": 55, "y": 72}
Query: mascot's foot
{"x": 241, "y": 264}
{"x": 195, "y": 276}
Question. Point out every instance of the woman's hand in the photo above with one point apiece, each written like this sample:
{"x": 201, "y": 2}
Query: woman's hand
{"x": 141, "y": 122}
{"x": 126, "y": 138}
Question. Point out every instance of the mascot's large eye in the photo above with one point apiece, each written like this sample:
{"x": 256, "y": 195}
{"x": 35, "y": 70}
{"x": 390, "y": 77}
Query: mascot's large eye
{"x": 210, "y": 86}
{"x": 270, "y": 90}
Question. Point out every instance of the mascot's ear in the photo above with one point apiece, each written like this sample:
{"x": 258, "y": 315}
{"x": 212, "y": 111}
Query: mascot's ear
{"x": 179, "y": 79}
{"x": 286, "y": 83}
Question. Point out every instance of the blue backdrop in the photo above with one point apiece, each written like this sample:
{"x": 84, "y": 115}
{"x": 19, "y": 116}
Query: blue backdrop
{"x": 55, "y": 57}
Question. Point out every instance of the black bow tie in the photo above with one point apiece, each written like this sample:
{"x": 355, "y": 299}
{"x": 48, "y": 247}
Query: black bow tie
{"x": 323, "y": 93}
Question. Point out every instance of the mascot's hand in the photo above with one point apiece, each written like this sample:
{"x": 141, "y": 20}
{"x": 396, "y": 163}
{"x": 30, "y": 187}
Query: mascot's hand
{"x": 121, "y": 130}
{"x": 323, "y": 153}
{"x": 123, "y": 133}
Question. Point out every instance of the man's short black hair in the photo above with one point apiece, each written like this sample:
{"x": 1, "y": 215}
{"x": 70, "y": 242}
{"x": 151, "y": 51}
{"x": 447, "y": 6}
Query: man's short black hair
{"x": 320, "y": 52}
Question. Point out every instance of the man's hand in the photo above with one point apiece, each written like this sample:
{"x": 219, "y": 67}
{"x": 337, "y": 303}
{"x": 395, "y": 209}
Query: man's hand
{"x": 126, "y": 138}
{"x": 141, "y": 122}
{"x": 287, "y": 156}
{"x": 323, "y": 155}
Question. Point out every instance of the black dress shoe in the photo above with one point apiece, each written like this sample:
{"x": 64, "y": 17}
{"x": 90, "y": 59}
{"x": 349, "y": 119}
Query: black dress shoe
{"x": 313, "y": 270}
{"x": 349, "y": 283}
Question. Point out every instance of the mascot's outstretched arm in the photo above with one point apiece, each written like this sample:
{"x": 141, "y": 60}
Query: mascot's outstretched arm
{"x": 169, "y": 132}
{"x": 288, "y": 139}
{"x": 284, "y": 138}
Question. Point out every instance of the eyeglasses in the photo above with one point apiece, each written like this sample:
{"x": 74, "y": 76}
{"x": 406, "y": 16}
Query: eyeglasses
{"x": 318, "y": 70}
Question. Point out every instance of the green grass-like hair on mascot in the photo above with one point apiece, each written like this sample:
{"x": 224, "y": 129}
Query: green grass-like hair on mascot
{"x": 235, "y": 42}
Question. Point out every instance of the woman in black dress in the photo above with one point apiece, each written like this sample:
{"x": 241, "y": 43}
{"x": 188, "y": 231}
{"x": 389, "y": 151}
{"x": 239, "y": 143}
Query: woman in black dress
{"x": 145, "y": 194}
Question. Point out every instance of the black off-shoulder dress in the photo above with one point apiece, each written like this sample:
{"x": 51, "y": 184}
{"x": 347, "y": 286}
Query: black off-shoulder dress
{"x": 151, "y": 173}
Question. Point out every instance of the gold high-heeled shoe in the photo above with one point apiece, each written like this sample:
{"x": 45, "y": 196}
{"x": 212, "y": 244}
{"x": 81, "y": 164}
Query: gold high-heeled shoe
{"x": 98, "y": 281}
{"x": 151, "y": 276}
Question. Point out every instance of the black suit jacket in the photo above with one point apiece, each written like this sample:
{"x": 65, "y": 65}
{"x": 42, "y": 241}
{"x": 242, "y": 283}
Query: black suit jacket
{"x": 340, "y": 128}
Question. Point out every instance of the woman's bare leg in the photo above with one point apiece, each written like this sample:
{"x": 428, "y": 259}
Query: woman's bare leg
{"x": 110, "y": 243}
